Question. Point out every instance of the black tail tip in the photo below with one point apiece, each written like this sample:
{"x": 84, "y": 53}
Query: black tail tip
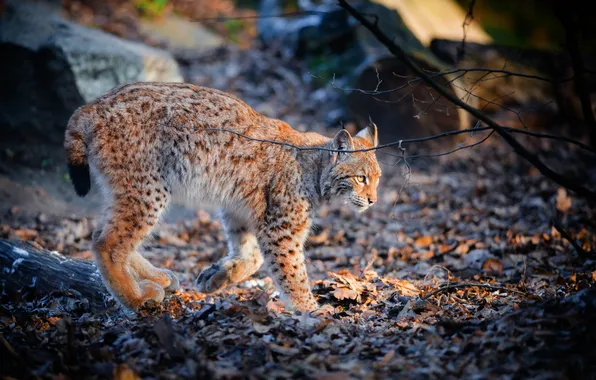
{"x": 80, "y": 178}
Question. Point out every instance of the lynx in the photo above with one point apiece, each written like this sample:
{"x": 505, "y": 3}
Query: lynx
{"x": 149, "y": 144}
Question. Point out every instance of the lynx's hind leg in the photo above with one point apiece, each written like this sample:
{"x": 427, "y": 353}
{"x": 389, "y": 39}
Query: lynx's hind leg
{"x": 243, "y": 260}
{"x": 147, "y": 271}
{"x": 128, "y": 276}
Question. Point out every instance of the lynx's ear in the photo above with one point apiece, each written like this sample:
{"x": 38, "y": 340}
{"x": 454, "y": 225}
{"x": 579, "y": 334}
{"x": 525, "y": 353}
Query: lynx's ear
{"x": 370, "y": 133}
{"x": 343, "y": 141}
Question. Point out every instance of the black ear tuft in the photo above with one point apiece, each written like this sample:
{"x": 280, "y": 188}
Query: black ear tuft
{"x": 370, "y": 133}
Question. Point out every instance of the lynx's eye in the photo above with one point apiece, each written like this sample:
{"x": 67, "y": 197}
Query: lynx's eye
{"x": 361, "y": 179}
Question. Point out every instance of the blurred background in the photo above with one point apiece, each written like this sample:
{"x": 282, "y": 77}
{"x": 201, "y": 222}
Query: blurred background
{"x": 306, "y": 62}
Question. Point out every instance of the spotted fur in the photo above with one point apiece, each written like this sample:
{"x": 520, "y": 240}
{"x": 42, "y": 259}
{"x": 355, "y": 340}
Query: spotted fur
{"x": 148, "y": 144}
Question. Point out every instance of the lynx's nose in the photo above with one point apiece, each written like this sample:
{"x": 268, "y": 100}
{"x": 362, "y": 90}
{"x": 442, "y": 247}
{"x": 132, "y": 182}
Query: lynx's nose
{"x": 371, "y": 201}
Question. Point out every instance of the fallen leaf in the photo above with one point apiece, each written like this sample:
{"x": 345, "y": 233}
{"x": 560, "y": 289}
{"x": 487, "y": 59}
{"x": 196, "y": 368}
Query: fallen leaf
{"x": 492, "y": 265}
{"x": 276, "y": 307}
{"x": 283, "y": 350}
{"x": 427, "y": 255}
{"x": 423, "y": 241}
{"x": 261, "y": 329}
{"x": 386, "y": 359}
{"x": 446, "y": 248}
{"x": 319, "y": 239}
{"x": 563, "y": 200}
{"x": 25, "y": 234}
{"x": 124, "y": 372}
{"x": 462, "y": 249}
{"x": 344, "y": 293}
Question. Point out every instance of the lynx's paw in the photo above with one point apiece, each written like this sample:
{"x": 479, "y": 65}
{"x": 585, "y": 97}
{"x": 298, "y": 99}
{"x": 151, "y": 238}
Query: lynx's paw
{"x": 213, "y": 278}
{"x": 300, "y": 302}
{"x": 173, "y": 282}
{"x": 224, "y": 273}
{"x": 149, "y": 292}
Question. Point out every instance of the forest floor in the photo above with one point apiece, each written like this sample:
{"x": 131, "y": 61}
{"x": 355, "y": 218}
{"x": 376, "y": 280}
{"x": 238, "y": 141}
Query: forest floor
{"x": 456, "y": 272}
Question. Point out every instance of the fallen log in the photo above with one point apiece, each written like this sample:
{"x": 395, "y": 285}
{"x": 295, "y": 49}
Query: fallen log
{"x": 27, "y": 271}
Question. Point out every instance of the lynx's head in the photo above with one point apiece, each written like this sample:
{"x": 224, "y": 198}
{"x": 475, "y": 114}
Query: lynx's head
{"x": 354, "y": 177}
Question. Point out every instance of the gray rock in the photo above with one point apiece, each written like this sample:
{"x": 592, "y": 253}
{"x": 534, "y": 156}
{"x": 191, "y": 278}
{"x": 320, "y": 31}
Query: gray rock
{"x": 50, "y": 66}
{"x": 180, "y": 33}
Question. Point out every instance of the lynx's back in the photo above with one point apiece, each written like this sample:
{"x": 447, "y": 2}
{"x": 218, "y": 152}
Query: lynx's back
{"x": 181, "y": 134}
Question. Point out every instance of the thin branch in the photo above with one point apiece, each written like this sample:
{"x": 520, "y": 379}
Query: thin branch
{"x": 461, "y": 147}
{"x": 515, "y": 145}
{"x": 506, "y": 73}
{"x": 405, "y": 141}
{"x": 461, "y": 50}
{"x": 447, "y": 288}
{"x": 580, "y": 251}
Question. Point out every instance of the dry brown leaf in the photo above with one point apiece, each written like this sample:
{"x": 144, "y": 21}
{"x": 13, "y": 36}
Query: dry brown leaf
{"x": 492, "y": 265}
{"x": 446, "y": 248}
{"x": 563, "y": 200}
{"x": 594, "y": 276}
{"x": 276, "y": 307}
{"x": 319, "y": 239}
{"x": 344, "y": 293}
{"x": 25, "y": 234}
{"x": 261, "y": 329}
{"x": 407, "y": 288}
{"x": 124, "y": 372}
{"x": 386, "y": 358}
{"x": 349, "y": 280}
{"x": 425, "y": 256}
{"x": 423, "y": 241}
{"x": 462, "y": 249}
{"x": 283, "y": 350}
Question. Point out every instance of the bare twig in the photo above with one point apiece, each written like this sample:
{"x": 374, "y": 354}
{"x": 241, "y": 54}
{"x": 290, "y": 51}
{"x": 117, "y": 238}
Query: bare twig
{"x": 462, "y": 71}
{"x": 461, "y": 50}
{"x": 517, "y": 147}
{"x": 580, "y": 251}
{"x": 461, "y": 147}
{"x": 369, "y": 264}
{"x": 406, "y": 141}
{"x": 447, "y": 288}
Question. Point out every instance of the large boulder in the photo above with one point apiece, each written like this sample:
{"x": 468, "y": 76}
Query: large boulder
{"x": 50, "y": 66}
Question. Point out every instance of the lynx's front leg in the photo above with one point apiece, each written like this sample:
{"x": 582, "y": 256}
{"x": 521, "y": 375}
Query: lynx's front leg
{"x": 243, "y": 260}
{"x": 282, "y": 237}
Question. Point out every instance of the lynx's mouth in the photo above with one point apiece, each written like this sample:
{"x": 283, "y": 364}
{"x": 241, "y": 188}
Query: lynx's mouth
{"x": 361, "y": 204}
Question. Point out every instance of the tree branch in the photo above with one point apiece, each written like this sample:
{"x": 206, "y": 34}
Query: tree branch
{"x": 405, "y": 141}
{"x": 517, "y": 147}
{"x": 572, "y": 38}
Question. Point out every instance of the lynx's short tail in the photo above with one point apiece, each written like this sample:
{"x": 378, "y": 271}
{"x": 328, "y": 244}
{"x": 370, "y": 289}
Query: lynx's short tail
{"x": 76, "y": 153}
